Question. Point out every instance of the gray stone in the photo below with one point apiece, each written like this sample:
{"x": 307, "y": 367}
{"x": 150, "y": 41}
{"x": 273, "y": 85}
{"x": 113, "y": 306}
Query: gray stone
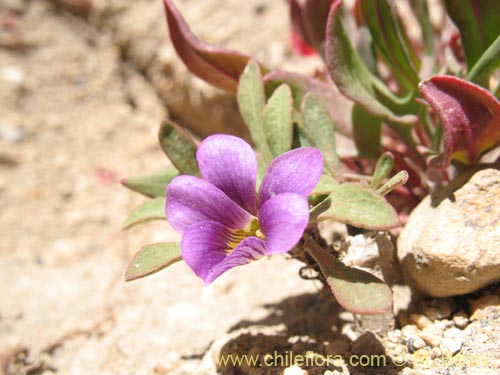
{"x": 450, "y": 243}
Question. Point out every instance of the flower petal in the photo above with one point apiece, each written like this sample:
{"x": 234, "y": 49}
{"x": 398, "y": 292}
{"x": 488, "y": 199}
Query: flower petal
{"x": 191, "y": 199}
{"x": 296, "y": 171}
{"x": 204, "y": 248}
{"x": 283, "y": 220}
{"x": 230, "y": 164}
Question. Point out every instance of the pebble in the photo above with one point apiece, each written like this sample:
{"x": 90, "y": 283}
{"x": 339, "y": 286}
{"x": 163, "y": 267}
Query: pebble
{"x": 482, "y": 304}
{"x": 415, "y": 344}
{"x": 453, "y": 340}
{"x": 421, "y": 321}
{"x": 13, "y": 75}
{"x": 460, "y": 319}
{"x": 294, "y": 370}
{"x": 438, "y": 309}
{"x": 433, "y": 334}
{"x": 409, "y": 331}
{"x": 10, "y": 133}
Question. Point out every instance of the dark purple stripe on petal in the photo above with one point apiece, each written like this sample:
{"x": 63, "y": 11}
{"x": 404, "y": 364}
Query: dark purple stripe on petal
{"x": 191, "y": 200}
{"x": 283, "y": 220}
{"x": 230, "y": 164}
{"x": 250, "y": 249}
{"x": 297, "y": 171}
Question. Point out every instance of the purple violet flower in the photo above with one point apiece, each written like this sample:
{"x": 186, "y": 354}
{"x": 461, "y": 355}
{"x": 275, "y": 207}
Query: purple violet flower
{"x": 223, "y": 222}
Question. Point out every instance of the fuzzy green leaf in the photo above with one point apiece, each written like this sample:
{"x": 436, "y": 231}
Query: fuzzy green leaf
{"x": 356, "y": 290}
{"x": 320, "y": 126}
{"x": 251, "y": 102}
{"x": 325, "y": 185}
{"x": 153, "y": 258}
{"x": 179, "y": 147}
{"x": 151, "y": 184}
{"x": 358, "y": 206}
{"x": 397, "y": 180}
{"x": 278, "y": 124}
{"x": 153, "y": 209}
{"x": 382, "y": 170}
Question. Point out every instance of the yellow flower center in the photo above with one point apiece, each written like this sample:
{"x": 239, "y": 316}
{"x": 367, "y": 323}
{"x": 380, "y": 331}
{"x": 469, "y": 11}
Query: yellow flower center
{"x": 252, "y": 229}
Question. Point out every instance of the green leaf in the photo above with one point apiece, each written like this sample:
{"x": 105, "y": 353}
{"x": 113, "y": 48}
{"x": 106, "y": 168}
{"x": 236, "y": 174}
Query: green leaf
{"x": 358, "y": 206}
{"x": 153, "y": 209}
{"x": 354, "y": 79}
{"x": 278, "y": 124}
{"x": 390, "y": 38}
{"x": 179, "y": 147}
{"x": 366, "y": 130}
{"x": 321, "y": 128}
{"x": 383, "y": 169}
{"x": 397, "y": 180}
{"x": 151, "y": 184}
{"x": 325, "y": 185}
{"x": 251, "y": 102}
{"x": 153, "y": 258}
{"x": 356, "y": 290}
{"x": 478, "y": 23}
{"x": 489, "y": 60}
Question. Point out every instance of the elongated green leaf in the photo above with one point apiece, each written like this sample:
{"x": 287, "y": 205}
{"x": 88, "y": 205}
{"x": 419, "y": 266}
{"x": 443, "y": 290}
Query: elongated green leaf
{"x": 358, "y": 206}
{"x": 251, "y": 102}
{"x": 153, "y": 258}
{"x": 356, "y": 290}
{"x": 153, "y": 209}
{"x": 478, "y": 23}
{"x": 390, "y": 38}
{"x": 366, "y": 131}
{"x": 278, "y": 124}
{"x": 151, "y": 184}
{"x": 383, "y": 169}
{"x": 489, "y": 60}
{"x": 338, "y": 105}
{"x": 179, "y": 147}
{"x": 353, "y": 78}
{"x": 321, "y": 128}
{"x": 397, "y": 180}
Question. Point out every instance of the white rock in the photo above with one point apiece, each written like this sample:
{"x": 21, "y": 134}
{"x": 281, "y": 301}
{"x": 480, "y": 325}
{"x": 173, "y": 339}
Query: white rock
{"x": 452, "y": 249}
{"x": 452, "y": 340}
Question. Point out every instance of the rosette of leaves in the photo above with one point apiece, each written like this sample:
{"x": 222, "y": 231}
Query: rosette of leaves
{"x": 435, "y": 112}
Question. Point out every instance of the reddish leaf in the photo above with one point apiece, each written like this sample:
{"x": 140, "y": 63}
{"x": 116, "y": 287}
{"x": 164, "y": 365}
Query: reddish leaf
{"x": 309, "y": 21}
{"x": 218, "y": 66}
{"x": 470, "y": 116}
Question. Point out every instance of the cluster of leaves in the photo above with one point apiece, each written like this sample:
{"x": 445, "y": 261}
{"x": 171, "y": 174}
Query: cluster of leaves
{"x": 419, "y": 118}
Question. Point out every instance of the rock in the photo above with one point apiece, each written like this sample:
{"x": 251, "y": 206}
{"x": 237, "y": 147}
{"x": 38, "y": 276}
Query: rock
{"x": 483, "y": 303}
{"x": 450, "y": 243}
{"x": 433, "y": 334}
{"x": 460, "y": 319}
{"x": 294, "y": 370}
{"x": 420, "y": 320}
{"x": 9, "y": 133}
{"x": 452, "y": 341}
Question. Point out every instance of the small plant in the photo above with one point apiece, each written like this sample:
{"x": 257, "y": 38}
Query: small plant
{"x": 423, "y": 111}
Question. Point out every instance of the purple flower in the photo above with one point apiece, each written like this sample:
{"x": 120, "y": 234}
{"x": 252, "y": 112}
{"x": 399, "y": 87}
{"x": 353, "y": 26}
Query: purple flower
{"x": 223, "y": 222}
